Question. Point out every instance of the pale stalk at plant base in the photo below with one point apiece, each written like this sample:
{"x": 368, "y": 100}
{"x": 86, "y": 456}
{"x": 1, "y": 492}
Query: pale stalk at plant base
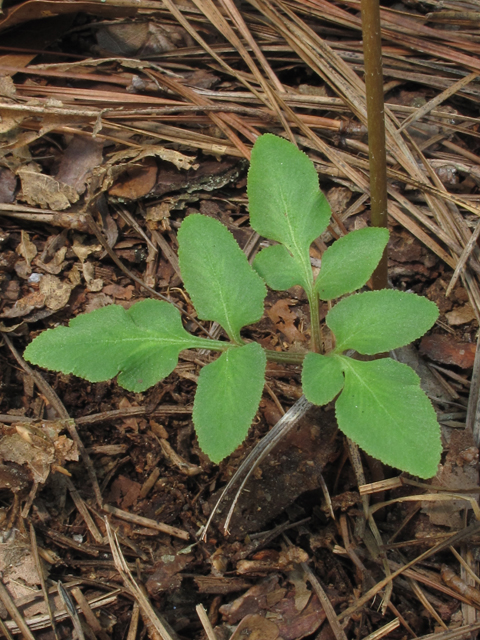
{"x": 212, "y": 345}
{"x": 284, "y": 357}
{"x": 313, "y": 302}
{"x": 315, "y": 330}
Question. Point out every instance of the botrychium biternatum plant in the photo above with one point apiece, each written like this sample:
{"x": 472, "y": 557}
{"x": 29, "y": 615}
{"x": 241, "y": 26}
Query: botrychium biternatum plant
{"x": 379, "y": 403}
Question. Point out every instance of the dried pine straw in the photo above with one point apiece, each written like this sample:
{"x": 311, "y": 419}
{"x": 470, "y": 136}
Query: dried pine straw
{"x": 267, "y": 36}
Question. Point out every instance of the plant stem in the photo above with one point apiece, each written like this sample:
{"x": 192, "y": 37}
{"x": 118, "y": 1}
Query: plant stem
{"x": 208, "y": 343}
{"x": 285, "y": 357}
{"x": 372, "y": 51}
{"x": 316, "y": 337}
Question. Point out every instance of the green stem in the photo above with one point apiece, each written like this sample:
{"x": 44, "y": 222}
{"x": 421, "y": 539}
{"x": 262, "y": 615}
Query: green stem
{"x": 273, "y": 356}
{"x": 372, "y": 52}
{"x": 285, "y": 357}
{"x": 208, "y": 343}
{"x": 316, "y": 336}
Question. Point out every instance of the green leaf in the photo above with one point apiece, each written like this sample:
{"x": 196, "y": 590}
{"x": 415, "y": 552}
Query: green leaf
{"x": 228, "y": 394}
{"x": 217, "y": 275}
{"x": 350, "y": 261}
{"x": 279, "y": 268}
{"x": 322, "y": 378}
{"x": 383, "y": 409}
{"x": 377, "y": 321}
{"x": 285, "y": 201}
{"x": 141, "y": 344}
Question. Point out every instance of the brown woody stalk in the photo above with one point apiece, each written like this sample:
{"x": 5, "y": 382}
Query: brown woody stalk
{"x": 372, "y": 51}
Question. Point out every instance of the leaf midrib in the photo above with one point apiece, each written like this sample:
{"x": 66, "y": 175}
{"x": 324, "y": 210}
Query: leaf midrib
{"x": 298, "y": 253}
{"x": 362, "y": 381}
{"x": 217, "y": 285}
{"x": 144, "y": 339}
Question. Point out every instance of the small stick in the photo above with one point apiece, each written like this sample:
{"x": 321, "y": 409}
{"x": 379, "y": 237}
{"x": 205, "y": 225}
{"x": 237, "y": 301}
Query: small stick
{"x": 325, "y": 602}
{"x": 435, "y": 102}
{"x": 473, "y": 409}
{"x": 146, "y": 522}
{"x": 149, "y": 482}
{"x": 82, "y": 508}
{"x": 90, "y": 617}
{"x": 207, "y": 625}
{"x": 71, "y": 610}
{"x": 41, "y": 383}
{"x": 462, "y": 260}
{"x": 38, "y": 564}
{"x": 461, "y": 535}
{"x": 14, "y": 612}
{"x": 65, "y": 541}
{"x": 5, "y": 631}
{"x": 383, "y": 631}
{"x": 453, "y": 634}
{"x": 425, "y": 602}
{"x": 133, "y": 628}
{"x": 133, "y": 588}
{"x": 72, "y": 430}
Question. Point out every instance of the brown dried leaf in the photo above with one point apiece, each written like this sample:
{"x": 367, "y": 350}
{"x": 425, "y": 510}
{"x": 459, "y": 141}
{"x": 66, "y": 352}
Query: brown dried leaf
{"x": 26, "y": 248}
{"x": 136, "y": 181}
{"x": 65, "y": 449}
{"x": 79, "y": 159}
{"x": 56, "y": 292}
{"x": 284, "y": 319}
{"x": 179, "y": 160}
{"x": 459, "y": 472}
{"x": 38, "y": 459}
{"x": 13, "y": 477}
{"x": 56, "y": 264}
{"x": 165, "y": 576}
{"x": 267, "y": 598}
{"x": 256, "y": 627}
{"x": 461, "y": 315}
{"x": 298, "y": 578}
{"x": 81, "y": 250}
{"x": 158, "y": 212}
{"x": 93, "y": 284}
{"x": 74, "y": 276}
{"x": 8, "y": 184}
{"x": 34, "y": 300}
{"x": 97, "y": 302}
{"x": 121, "y": 293}
{"x": 338, "y": 198}
{"x": 294, "y": 625}
{"x": 45, "y": 191}
{"x": 18, "y": 567}
{"x": 256, "y": 599}
{"x": 8, "y": 123}
{"x": 448, "y": 350}
{"x": 7, "y": 87}
{"x": 142, "y": 38}
{"x": 124, "y": 492}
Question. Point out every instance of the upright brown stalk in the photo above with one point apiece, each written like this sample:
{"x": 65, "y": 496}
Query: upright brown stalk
{"x": 372, "y": 51}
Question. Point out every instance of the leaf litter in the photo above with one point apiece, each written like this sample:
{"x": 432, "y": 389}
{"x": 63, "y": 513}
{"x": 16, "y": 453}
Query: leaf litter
{"x": 156, "y": 114}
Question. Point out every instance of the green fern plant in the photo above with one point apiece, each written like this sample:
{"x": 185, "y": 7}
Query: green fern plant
{"x": 379, "y": 403}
